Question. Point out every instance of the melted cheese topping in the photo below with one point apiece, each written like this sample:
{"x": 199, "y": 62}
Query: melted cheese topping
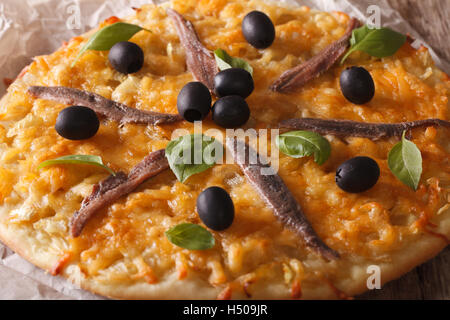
{"x": 125, "y": 243}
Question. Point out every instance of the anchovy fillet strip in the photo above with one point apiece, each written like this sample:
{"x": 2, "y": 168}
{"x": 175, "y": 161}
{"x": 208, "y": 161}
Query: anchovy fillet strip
{"x": 110, "y": 109}
{"x": 298, "y": 76}
{"x": 200, "y": 61}
{"x": 276, "y": 195}
{"x": 112, "y": 188}
{"x": 350, "y": 128}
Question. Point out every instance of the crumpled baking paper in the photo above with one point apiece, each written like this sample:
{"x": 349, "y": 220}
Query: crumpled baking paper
{"x": 34, "y": 27}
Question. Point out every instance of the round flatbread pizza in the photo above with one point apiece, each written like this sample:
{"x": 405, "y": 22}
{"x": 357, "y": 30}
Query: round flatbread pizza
{"x": 357, "y": 195}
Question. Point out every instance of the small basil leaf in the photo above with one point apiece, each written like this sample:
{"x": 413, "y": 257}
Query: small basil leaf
{"x": 190, "y": 236}
{"x": 77, "y": 159}
{"x": 108, "y": 36}
{"x": 191, "y": 154}
{"x": 359, "y": 34}
{"x": 405, "y": 162}
{"x": 299, "y": 144}
{"x": 225, "y": 61}
{"x": 382, "y": 42}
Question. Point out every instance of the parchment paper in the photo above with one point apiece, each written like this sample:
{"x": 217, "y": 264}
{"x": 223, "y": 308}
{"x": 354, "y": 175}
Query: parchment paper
{"x": 35, "y": 27}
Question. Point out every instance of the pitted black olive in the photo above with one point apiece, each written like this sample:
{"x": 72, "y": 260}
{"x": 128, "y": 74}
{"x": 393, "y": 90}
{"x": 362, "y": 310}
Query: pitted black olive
{"x": 230, "y": 112}
{"x": 357, "y": 174}
{"x": 194, "y": 101}
{"x": 233, "y": 81}
{"x": 258, "y": 29}
{"x": 126, "y": 57}
{"x": 357, "y": 85}
{"x": 215, "y": 208}
{"x": 77, "y": 123}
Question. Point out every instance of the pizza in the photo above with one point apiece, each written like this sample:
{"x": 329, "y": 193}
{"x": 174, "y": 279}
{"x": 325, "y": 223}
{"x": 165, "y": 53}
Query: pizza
{"x": 362, "y": 179}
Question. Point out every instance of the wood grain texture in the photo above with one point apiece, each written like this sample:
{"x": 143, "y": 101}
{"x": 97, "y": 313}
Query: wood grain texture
{"x": 430, "y": 280}
{"x": 431, "y": 18}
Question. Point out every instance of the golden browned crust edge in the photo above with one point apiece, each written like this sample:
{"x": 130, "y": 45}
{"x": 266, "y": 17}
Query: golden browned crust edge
{"x": 192, "y": 288}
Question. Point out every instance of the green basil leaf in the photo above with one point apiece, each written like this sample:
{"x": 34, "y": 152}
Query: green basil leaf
{"x": 191, "y": 154}
{"x": 359, "y": 34}
{"x": 382, "y": 42}
{"x": 77, "y": 159}
{"x": 405, "y": 162}
{"x": 190, "y": 236}
{"x": 299, "y": 144}
{"x": 108, "y": 36}
{"x": 225, "y": 61}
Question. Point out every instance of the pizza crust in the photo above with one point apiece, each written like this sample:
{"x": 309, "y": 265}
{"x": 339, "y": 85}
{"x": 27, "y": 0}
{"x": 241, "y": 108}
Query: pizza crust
{"x": 46, "y": 249}
{"x": 193, "y": 288}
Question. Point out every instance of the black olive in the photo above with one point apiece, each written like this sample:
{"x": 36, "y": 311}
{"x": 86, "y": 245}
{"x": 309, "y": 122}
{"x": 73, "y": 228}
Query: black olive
{"x": 230, "y": 112}
{"x": 77, "y": 123}
{"x": 126, "y": 57}
{"x": 258, "y": 29}
{"x": 357, "y": 85}
{"x": 357, "y": 174}
{"x": 215, "y": 208}
{"x": 194, "y": 101}
{"x": 233, "y": 81}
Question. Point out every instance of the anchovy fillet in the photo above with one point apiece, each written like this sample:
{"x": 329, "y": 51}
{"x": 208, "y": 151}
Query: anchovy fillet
{"x": 298, "y": 76}
{"x": 110, "y": 109}
{"x": 276, "y": 195}
{"x": 350, "y": 128}
{"x": 200, "y": 61}
{"x": 112, "y": 188}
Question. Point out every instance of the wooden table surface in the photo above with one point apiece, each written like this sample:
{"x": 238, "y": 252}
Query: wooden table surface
{"x": 431, "y": 18}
